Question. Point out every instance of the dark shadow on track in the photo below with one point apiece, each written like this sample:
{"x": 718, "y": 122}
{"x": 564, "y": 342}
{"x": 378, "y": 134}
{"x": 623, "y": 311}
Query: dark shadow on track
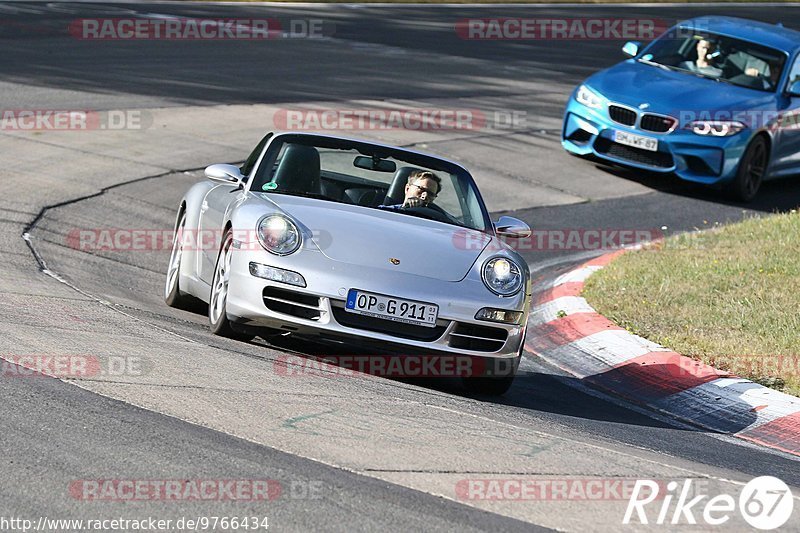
{"x": 531, "y": 390}
{"x": 779, "y": 195}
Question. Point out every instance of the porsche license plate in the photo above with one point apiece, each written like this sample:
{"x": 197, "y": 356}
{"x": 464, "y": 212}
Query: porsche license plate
{"x": 637, "y": 141}
{"x": 390, "y": 308}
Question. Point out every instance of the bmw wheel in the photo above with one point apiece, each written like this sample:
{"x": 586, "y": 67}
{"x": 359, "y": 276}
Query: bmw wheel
{"x": 751, "y": 170}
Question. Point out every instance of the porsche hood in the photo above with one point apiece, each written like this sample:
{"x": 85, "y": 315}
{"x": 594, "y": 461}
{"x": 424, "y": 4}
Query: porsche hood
{"x": 364, "y": 237}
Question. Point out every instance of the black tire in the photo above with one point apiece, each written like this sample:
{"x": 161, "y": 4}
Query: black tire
{"x": 494, "y": 380}
{"x": 488, "y": 386}
{"x": 218, "y": 321}
{"x": 172, "y": 291}
{"x": 752, "y": 168}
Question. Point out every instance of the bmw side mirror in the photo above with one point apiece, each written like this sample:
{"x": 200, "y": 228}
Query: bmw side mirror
{"x": 224, "y": 173}
{"x": 794, "y": 88}
{"x": 512, "y": 228}
{"x": 631, "y": 48}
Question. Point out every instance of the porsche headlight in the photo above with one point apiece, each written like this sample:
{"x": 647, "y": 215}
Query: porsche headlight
{"x": 716, "y": 128}
{"x": 502, "y": 276}
{"x": 278, "y": 235}
{"x": 588, "y": 97}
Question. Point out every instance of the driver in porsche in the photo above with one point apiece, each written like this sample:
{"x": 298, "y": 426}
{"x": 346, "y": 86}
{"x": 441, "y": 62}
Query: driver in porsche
{"x": 421, "y": 190}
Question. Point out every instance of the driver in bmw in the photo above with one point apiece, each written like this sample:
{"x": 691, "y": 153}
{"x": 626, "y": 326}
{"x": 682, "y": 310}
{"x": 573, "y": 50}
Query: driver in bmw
{"x": 421, "y": 190}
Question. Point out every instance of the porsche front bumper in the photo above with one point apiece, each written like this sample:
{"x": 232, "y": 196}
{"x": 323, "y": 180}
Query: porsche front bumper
{"x": 318, "y": 310}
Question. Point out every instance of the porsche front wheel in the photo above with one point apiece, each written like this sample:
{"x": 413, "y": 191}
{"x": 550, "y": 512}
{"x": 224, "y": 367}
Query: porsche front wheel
{"x": 217, "y": 313}
{"x": 493, "y": 377}
{"x": 490, "y": 386}
{"x": 172, "y": 291}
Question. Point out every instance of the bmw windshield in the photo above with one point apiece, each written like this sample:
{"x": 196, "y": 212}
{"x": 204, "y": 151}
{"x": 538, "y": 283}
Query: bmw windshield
{"x": 717, "y": 57}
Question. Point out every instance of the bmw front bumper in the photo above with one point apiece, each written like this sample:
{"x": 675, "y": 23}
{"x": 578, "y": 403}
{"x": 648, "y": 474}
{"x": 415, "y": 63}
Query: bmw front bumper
{"x": 703, "y": 159}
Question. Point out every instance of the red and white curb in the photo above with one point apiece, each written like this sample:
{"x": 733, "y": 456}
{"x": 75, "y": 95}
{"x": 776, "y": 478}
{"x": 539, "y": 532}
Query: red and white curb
{"x": 567, "y": 332}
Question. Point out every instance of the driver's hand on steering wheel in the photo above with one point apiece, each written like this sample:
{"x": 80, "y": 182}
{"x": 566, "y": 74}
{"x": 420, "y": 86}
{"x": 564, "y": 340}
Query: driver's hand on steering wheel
{"x": 414, "y": 202}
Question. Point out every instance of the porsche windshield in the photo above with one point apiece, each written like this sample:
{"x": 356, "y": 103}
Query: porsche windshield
{"x": 718, "y": 57}
{"x": 363, "y": 174}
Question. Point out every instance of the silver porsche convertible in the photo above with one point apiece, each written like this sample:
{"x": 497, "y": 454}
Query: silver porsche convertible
{"x": 314, "y": 236}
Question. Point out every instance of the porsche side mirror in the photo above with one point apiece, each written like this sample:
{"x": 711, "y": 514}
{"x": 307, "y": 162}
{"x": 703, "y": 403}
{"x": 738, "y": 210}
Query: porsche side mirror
{"x": 794, "y": 88}
{"x": 631, "y": 48}
{"x": 224, "y": 173}
{"x": 512, "y": 228}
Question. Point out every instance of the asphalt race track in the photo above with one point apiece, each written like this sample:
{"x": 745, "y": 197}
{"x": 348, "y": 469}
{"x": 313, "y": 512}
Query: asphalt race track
{"x": 173, "y": 402}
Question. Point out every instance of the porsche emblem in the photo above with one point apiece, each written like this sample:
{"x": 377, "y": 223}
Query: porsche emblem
{"x": 394, "y": 261}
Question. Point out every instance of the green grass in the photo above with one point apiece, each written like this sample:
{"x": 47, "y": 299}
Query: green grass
{"x": 728, "y": 296}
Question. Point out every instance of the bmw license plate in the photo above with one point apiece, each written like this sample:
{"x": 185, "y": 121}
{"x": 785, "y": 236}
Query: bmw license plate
{"x": 637, "y": 141}
{"x": 390, "y": 308}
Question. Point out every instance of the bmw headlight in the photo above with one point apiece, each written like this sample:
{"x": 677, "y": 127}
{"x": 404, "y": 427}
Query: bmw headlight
{"x": 502, "y": 276}
{"x": 716, "y": 128}
{"x": 278, "y": 235}
{"x": 588, "y": 97}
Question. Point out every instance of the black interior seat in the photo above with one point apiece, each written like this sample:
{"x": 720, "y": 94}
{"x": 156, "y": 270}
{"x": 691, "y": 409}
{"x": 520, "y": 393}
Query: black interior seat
{"x": 299, "y": 170}
{"x": 332, "y": 190}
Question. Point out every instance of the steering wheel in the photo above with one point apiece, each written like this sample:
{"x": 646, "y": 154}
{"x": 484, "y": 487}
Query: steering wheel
{"x": 428, "y": 212}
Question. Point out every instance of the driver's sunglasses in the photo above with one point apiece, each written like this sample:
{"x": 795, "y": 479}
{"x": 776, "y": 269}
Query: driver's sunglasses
{"x": 423, "y": 190}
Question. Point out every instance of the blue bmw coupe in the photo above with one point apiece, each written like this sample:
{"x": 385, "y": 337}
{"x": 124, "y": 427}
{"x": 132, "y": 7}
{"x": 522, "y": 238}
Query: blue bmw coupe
{"x": 715, "y": 100}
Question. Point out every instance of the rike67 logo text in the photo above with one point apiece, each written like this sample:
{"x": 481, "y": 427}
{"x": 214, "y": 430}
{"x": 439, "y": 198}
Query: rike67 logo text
{"x": 765, "y": 503}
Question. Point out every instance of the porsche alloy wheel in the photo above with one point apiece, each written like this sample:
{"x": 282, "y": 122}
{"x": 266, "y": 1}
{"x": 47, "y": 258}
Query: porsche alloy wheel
{"x": 172, "y": 291}
{"x": 217, "y": 314}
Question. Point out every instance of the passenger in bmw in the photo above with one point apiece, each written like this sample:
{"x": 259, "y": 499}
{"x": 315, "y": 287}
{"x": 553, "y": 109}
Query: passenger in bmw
{"x": 421, "y": 190}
